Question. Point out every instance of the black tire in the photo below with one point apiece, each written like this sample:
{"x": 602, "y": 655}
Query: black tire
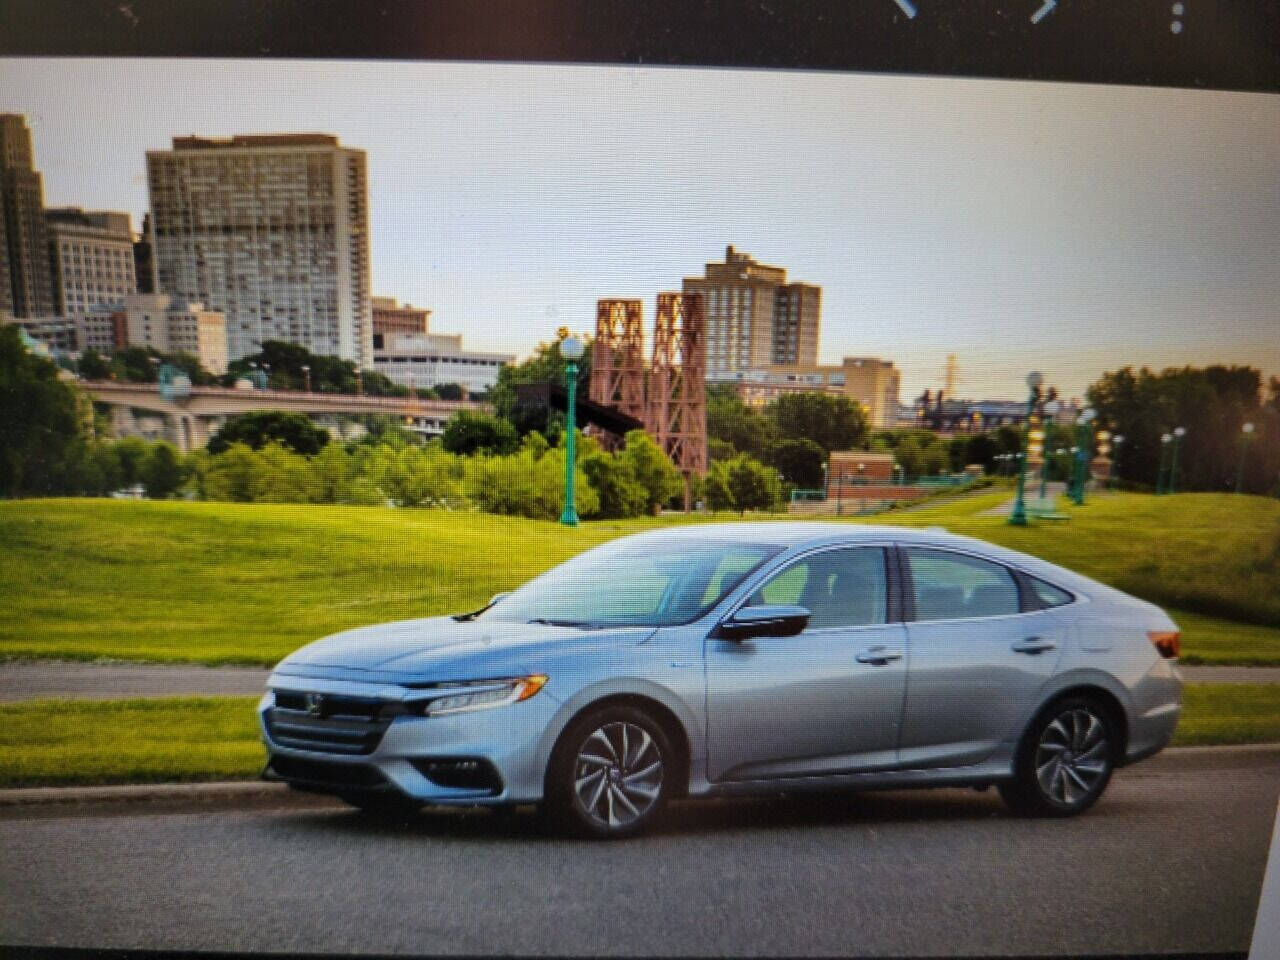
{"x": 382, "y": 806}
{"x": 608, "y": 756}
{"x": 1065, "y": 759}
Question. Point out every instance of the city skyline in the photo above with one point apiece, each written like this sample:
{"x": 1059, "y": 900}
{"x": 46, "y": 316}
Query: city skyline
{"x": 1065, "y": 227}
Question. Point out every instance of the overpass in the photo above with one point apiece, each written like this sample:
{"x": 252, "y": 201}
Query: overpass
{"x": 140, "y": 409}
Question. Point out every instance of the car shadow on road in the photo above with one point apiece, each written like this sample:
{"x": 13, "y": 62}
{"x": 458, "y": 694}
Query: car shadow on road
{"x": 683, "y": 818}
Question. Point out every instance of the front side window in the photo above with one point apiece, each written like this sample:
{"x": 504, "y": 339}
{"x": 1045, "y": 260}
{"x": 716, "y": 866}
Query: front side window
{"x": 839, "y": 588}
{"x": 954, "y": 586}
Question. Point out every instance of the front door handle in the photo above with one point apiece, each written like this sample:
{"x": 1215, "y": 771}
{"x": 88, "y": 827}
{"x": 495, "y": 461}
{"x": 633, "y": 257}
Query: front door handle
{"x": 1034, "y": 645}
{"x": 878, "y": 656}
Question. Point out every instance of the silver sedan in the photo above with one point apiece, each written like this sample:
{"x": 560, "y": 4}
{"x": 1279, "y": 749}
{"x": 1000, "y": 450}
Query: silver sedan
{"x": 716, "y": 659}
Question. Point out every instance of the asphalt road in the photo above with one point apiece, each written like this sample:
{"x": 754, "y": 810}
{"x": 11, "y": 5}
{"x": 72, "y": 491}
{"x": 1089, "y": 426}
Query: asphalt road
{"x": 39, "y": 679}
{"x": 1172, "y": 859}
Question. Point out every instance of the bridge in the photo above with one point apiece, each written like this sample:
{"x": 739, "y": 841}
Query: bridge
{"x": 140, "y": 409}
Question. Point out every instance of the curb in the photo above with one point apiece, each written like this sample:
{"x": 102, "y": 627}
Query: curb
{"x": 129, "y": 793}
{"x": 260, "y": 790}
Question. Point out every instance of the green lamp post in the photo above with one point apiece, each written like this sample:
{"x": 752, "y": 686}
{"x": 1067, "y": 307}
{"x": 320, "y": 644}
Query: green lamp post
{"x": 1165, "y": 440}
{"x": 1050, "y": 409}
{"x": 1018, "y": 516}
{"x": 1084, "y": 448}
{"x": 1246, "y": 434}
{"x": 1178, "y": 434}
{"x": 1116, "y": 443}
{"x": 572, "y": 349}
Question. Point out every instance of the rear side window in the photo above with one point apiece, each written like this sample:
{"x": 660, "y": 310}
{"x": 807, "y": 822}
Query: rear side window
{"x": 1048, "y": 594}
{"x": 954, "y": 586}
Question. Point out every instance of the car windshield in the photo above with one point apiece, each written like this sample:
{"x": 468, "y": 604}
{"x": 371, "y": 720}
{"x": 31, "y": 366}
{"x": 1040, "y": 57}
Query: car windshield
{"x": 630, "y": 584}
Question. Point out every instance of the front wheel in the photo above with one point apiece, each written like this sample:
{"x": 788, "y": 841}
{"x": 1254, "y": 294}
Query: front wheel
{"x": 610, "y": 773}
{"x": 1064, "y": 762}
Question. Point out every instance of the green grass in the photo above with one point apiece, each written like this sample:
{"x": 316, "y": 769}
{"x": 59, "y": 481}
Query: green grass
{"x": 1217, "y": 713}
{"x": 248, "y": 583}
{"x": 64, "y": 743}
{"x": 60, "y": 742}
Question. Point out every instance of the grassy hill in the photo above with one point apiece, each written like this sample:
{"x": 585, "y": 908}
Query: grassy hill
{"x": 232, "y": 583}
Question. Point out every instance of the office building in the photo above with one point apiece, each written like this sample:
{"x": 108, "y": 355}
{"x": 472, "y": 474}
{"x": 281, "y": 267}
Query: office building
{"x": 173, "y": 325}
{"x": 754, "y": 318}
{"x": 391, "y": 319}
{"x": 429, "y": 360}
{"x": 870, "y": 382}
{"x": 272, "y": 231}
{"x": 26, "y": 289}
{"x": 91, "y": 255}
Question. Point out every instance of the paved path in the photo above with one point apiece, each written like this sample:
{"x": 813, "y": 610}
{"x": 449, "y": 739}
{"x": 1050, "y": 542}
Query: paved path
{"x": 1171, "y": 860}
{"x": 35, "y": 679}
{"x": 39, "y": 679}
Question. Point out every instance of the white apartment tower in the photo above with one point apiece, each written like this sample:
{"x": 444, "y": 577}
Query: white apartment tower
{"x": 273, "y": 232}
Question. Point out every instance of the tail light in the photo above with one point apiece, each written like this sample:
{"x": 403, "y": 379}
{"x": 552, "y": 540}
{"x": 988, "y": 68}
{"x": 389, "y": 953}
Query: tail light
{"x": 1168, "y": 642}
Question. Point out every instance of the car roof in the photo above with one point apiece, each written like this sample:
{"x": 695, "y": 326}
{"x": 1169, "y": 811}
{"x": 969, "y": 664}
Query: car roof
{"x": 800, "y": 535}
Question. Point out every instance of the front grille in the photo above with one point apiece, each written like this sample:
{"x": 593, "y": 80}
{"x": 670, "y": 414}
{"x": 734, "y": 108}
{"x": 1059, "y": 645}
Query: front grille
{"x": 329, "y": 774}
{"x": 329, "y": 723}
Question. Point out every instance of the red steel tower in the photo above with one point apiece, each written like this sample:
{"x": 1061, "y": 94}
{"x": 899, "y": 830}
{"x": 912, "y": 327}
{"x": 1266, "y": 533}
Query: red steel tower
{"x": 617, "y": 357}
{"x": 677, "y": 413}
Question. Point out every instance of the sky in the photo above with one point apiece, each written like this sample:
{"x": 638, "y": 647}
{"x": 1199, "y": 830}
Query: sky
{"x": 1066, "y": 228}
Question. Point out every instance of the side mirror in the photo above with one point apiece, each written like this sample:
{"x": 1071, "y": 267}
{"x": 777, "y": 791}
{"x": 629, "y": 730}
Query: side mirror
{"x": 766, "y": 620}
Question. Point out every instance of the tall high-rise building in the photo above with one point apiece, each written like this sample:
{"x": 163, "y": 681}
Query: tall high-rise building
{"x": 28, "y": 291}
{"x": 272, "y": 231}
{"x": 91, "y": 254}
{"x": 753, "y": 317}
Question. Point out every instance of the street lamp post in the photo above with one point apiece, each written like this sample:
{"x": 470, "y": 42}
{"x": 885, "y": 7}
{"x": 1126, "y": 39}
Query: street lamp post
{"x": 1084, "y": 447}
{"x": 1165, "y": 440}
{"x": 1246, "y": 434}
{"x": 571, "y": 349}
{"x": 306, "y": 378}
{"x": 1050, "y": 411}
{"x": 1116, "y": 443}
{"x": 1178, "y": 434}
{"x": 1018, "y": 516}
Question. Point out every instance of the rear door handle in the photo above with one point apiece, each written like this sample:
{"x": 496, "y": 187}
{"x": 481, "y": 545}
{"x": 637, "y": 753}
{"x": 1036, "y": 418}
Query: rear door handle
{"x": 1034, "y": 645}
{"x": 878, "y": 656}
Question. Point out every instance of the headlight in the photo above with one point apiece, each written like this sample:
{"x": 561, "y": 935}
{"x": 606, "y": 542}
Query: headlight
{"x": 481, "y": 694}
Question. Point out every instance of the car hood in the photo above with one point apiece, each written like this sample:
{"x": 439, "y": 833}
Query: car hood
{"x": 441, "y": 648}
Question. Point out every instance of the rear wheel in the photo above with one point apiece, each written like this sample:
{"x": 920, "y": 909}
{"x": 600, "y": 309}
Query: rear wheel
{"x": 1064, "y": 762}
{"x": 610, "y": 774}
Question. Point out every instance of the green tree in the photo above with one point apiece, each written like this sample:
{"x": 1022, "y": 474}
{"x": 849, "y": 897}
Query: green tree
{"x": 162, "y": 471}
{"x": 832, "y": 422}
{"x": 732, "y": 422}
{"x": 93, "y": 366}
{"x": 800, "y": 462}
{"x": 469, "y": 432}
{"x": 450, "y": 391}
{"x": 651, "y": 468}
{"x": 261, "y": 427}
{"x": 132, "y": 453}
{"x": 282, "y": 476}
{"x": 41, "y": 422}
{"x": 231, "y": 475}
{"x": 742, "y": 484}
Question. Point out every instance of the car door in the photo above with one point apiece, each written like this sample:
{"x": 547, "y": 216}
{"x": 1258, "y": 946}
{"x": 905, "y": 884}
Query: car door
{"x": 826, "y": 701}
{"x": 979, "y": 656}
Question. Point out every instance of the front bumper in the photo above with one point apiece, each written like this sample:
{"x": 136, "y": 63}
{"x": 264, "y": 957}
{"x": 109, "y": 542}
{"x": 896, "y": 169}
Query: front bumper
{"x": 420, "y": 757}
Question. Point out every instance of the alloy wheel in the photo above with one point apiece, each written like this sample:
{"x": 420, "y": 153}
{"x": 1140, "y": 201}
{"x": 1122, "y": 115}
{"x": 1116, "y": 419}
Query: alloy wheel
{"x": 1073, "y": 756}
{"x": 617, "y": 774}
